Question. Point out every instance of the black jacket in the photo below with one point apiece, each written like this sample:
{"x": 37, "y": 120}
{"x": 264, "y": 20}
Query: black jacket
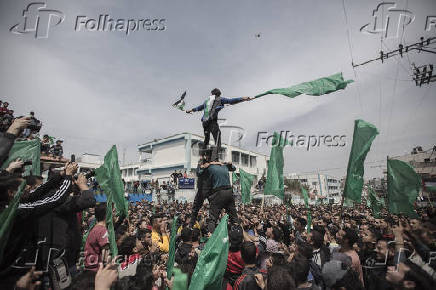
{"x": 6, "y": 142}
{"x": 38, "y": 203}
{"x": 61, "y": 229}
{"x": 204, "y": 189}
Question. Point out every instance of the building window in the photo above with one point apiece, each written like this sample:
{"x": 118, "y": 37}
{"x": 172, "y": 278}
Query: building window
{"x": 235, "y": 157}
{"x": 314, "y": 183}
{"x": 244, "y": 159}
{"x": 252, "y": 161}
{"x": 222, "y": 154}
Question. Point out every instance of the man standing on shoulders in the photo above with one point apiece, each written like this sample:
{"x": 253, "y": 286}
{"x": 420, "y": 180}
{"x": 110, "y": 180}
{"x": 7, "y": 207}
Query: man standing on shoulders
{"x": 211, "y": 106}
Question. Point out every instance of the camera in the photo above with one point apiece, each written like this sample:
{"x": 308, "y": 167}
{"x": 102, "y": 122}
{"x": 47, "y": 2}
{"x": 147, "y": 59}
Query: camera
{"x": 35, "y": 125}
{"x": 88, "y": 174}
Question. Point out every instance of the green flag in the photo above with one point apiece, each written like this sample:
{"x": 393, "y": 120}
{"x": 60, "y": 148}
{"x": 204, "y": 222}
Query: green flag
{"x": 306, "y": 202}
{"x": 109, "y": 178}
{"x": 317, "y": 87}
{"x": 246, "y": 183}
{"x": 27, "y": 151}
{"x": 274, "y": 179}
{"x": 309, "y": 221}
{"x": 212, "y": 263}
{"x": 172, "y": 251}
{"x": 7, "y": 218}
{"x": 404, "y": 185}
{"x": 375, "y": 202}
{"x": 364, "y": 134}
{"x": 305, "y": 196}
{"x": 235, "y": 177}
{"x": 180, "y": 280}
{"x": 110, "y": 227}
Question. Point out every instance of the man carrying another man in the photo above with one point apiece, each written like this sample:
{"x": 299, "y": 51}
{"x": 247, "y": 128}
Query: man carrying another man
{"x": 214, "y": 184}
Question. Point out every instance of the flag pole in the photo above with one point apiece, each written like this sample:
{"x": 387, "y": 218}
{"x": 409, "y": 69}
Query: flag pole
{"x": 342, "y": 203}
{"x": 387, "y": 186}
{"x": 263, "y": 199}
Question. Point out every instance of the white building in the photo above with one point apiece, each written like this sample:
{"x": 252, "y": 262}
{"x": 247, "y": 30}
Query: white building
{"x": 424, "y": 163}
{"x": 161, "y": 157}
{"x": 88, "y": 161}
{"x": 322, "y": 186}
{"x": 129, "y": 172}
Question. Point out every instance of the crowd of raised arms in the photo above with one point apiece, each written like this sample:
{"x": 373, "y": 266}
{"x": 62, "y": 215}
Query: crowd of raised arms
{"x": 59, "y": 226}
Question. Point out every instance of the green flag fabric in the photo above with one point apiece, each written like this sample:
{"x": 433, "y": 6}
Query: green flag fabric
{"x": 375, "y": 202}
{"x": 404, "y": 185}
{"x": 306, "y": 202}
{"x": 305, "y": 196}
{"x": 172, "y": 251}
{"x": 110, "y": 227}
{"x": 317, "y": 87}
{"x": 274, "y": 179}
{"x": 180, "y": 280}
{"x": 235, "y": 177}
{"x": 27, "y": 151}
{"x": 212, "y": 263}
{"x": 109, "y": 178}
{"x": 364, "y": 134}
{"x": 7, "y": 218}
{"x": 348, "y": 202}
{"x": 246, "y": 183}
{"x": 309, "y": 221}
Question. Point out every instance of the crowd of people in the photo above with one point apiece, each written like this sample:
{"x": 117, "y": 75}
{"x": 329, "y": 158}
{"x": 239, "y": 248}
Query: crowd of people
{"x": 49, "y": 148}
{"x": 59, "y": 237}
{"x": 273, "y": 248}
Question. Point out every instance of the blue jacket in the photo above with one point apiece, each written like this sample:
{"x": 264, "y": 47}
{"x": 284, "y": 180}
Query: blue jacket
{"x": 224, "y": 101}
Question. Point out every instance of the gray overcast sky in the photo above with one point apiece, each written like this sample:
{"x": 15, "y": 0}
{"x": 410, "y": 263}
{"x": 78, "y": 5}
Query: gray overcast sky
{"x": 95, "y": 89}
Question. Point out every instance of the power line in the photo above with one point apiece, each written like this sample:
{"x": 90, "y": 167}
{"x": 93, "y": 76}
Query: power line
{"x": 351, "y": 53}
{"x": 419, "y": 46}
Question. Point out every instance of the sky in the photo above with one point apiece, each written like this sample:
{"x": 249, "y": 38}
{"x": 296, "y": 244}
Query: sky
{"x": 94, "y": 89}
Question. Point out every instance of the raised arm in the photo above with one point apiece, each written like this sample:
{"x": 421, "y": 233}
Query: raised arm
{"x": 196, "y": 109}
{"x": 232, "y": 101}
